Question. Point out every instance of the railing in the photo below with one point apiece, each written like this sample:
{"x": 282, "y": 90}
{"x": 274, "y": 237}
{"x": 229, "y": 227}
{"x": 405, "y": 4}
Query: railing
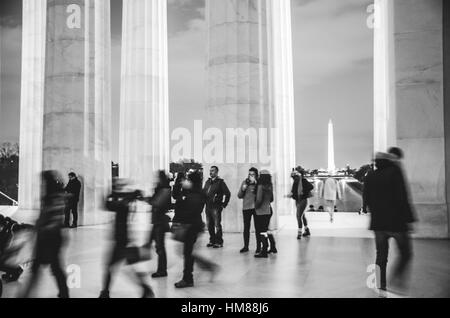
{"x": 14, "y": 202}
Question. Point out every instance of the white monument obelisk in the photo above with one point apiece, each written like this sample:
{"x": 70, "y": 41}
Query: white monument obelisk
{"x": 144, "y": 106}
{"x": 331, "y": 162}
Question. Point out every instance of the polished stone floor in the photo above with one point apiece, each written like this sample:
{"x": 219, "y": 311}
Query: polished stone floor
{"x": 332, "y": 263}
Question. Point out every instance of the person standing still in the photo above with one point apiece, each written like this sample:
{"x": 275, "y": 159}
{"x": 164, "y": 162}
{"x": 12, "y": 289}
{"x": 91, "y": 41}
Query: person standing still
{"x": 73, "y": 189}
{"x": 217, "y": 198}
{"x": 247, "y": 192}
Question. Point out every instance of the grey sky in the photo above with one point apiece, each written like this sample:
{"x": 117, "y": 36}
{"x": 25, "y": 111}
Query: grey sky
{"x": 333, "y": 74}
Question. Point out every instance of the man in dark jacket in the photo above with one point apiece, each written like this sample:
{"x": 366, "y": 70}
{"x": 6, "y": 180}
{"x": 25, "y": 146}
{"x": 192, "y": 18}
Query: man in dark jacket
{"x": 217, "y": 198}
{"x": 73, "y": 188}
{"x": 385, "y": 194}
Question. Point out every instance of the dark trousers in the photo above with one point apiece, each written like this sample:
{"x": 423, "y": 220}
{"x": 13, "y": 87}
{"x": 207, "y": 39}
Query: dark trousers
{"x": 71, "y": 206}
{"x": 189, "y": 257}
{"x": 262, "y": 226}
{"x": 58, "y": 273}
{"x": 214, "y": 220}
{"x": 158, "y": 236}
{"x": 247, "y": 216}
{"x": 301, "y": 218}
{"x": 382, "y": 245}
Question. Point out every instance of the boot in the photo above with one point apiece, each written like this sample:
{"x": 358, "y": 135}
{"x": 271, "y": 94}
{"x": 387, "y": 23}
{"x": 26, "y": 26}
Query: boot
{"x": 273, "y": 247}
{"x": 265, "y": 245}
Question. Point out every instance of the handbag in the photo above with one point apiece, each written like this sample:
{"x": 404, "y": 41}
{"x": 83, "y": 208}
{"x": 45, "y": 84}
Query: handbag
{"x": 135, "y": 254}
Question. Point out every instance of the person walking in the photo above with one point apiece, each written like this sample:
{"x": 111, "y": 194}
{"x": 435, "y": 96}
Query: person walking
{"x": 330, "y": 193}
{"x": 301, "y": 191}
{"x": 264, "y": 212}
{"x": 160, "y": 203}
{"x": 119, "y": 201}
{"x": 49, "y": 238}
{"x": 188, "y": 224}
{"x": 217, "y": 198}
{"x": 73, "y": 189}
{"x": 247, "y": 192}
{"x": 386, "y": 195}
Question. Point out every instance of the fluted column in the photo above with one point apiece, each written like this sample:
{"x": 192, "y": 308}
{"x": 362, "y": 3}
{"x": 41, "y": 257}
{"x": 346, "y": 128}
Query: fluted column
{"x": 32, "y": 102}
{"x": 144, "y": 112}
{"x": 77, "y": 97}
{"x": 251, "y": 88}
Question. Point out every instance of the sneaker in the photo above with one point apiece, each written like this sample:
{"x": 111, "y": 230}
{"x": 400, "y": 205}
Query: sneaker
{"x": 299, "y": 236}
{"x": 13, "y": 277}
{"x": 184, "y": 284}
{"x": 209, "y": 245}
{"x": 307, "y": 233}
{"x": 218, "y": 246}
{"x": 104, "y": 294}
{"x": 244, "y": 250}
{"x": 261, "y": 255}
{"x": 159, "y": 274}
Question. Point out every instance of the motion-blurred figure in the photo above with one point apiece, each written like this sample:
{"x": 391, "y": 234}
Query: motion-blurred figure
{"x": 385, "y": 193}
{"x": 188, "y": 224}
{"x": 160, "y": 202}
{"x": 330, "y": 193}
{"x": 73, "y": 189}
{"x": 264, "y": 212}
{"x": 119, "y": 202}
{"x": 49, "y": 239}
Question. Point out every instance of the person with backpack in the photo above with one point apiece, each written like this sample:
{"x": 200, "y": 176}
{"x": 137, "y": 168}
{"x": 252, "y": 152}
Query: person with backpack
{"x": 301, "y": 191}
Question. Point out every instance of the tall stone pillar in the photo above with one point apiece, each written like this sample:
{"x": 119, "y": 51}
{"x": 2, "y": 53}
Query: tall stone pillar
{"x": 384, "y": 76}
{"x": 250, "y": 94}
{"x": 77, "y": 97}
{"x": 419, "y": 106}
{"x": 32, "y": 102}
{"x": 144, "y": 109}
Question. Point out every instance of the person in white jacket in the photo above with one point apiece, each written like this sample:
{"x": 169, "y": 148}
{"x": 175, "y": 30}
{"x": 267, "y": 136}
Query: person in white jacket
{"x": 330, "y": 193}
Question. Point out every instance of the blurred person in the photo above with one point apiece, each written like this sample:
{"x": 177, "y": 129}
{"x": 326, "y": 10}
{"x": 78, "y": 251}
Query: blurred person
{"x": 49, "y": 237}
{"x": 188, "y": 224}
{"x": 264, "y": 212}
{"x": 160, "y": 202}
{"x": 247, "y": 192}
{"x": 330, "y": 193}
{"x": 391, "y": 217}
{"x": 301, "y": 191}
{"x": 217, "y": 198}
{"x": 369, "y": 171}
{"x": 119, "y": 201}
{"x": 73, "y": 188}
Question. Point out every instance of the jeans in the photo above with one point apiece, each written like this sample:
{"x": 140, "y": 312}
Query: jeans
{"x": 262, "y": 226}
{"x": 158, "y": 236}
{"x": 214, "y": 220}
{"x": 72, "y": 205}
{"x": 301, "y": 218}
{"x": 382, "y": 245}
{"x": 247, "y": 216}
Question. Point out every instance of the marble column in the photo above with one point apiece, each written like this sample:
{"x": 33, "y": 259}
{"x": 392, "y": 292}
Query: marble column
{"x": 144, "y": 110}
{"x": 250, "y": 88}
{"x": 420, "y": 124}
{"x": 384, "y": 75}
{"x": 76, "y": 134}
{"x": 32, "y": 102}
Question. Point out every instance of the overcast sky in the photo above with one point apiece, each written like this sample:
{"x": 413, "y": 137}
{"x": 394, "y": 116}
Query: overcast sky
{"x": 333, "y": 74}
